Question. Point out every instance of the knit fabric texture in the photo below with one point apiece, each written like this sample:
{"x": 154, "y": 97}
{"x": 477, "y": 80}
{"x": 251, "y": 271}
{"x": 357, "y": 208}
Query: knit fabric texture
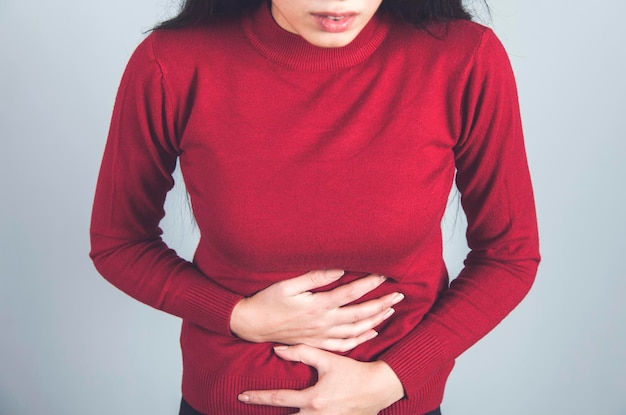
{"x": 298, "y": 158}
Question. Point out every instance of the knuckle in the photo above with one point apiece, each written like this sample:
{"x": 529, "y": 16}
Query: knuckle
{"x": 317, "y": 403}
{"x": 316, "y": 277}
{"x": 315, "y": 325}
{"x": 386, "y": 302}
{"x": 282, "y": 288}
{"x": 352, "y": 292}
{"x": 383, "y": 306}
{"x": 358, "y": 316}
{"x": 275, "y": 398}
{"x": 358, "y": 330}
{"x": 349, "y": 332}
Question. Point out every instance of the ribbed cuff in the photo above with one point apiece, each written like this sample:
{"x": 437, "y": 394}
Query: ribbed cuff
{"x": 211, "y": 306}
{"x": 416, "y": 359}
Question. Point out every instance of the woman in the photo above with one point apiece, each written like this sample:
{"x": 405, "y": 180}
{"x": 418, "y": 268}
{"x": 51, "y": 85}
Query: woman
{"x": 319, "y": 141}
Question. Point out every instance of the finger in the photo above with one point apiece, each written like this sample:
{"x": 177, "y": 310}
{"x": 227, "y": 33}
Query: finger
{"x": 346, "y": 344}
{"x": 310, "y": 280}
{"x": 346, "y": 331}
{"x": 321, "y": 360}
{"x": 279, "y": 397}
{"x": 356, "y": 313}
{"x": 352, "y": 291}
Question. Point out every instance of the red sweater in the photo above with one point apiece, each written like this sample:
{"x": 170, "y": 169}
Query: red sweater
{"x": 299, "y": 158}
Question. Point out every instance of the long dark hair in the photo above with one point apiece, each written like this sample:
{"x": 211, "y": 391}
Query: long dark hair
{"x": 416, "y": 12}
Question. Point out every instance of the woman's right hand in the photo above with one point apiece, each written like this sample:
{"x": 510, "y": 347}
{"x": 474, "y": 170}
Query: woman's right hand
{"x": 287, "y": 312}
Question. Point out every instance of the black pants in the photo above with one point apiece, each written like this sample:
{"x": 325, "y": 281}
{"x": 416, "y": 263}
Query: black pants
{"x": 186, "y": 409}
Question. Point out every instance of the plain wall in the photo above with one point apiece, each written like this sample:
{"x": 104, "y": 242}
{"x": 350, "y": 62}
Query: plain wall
{"x": 72, "y": 344}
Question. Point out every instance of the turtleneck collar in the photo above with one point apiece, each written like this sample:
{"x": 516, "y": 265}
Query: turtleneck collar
{"x": 292, "y": 51}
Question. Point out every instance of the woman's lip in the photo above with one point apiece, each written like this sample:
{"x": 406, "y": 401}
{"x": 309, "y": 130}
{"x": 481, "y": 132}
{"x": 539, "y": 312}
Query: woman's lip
{"x": 334, "y": 22}
{"x": 334, "y": 14}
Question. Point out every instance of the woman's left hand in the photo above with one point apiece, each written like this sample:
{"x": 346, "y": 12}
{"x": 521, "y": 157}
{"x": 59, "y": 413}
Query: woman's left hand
{"x": 344, "y": 386}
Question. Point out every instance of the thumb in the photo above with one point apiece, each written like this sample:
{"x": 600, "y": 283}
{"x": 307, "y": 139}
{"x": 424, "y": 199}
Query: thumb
{"x": 321, "y": 360}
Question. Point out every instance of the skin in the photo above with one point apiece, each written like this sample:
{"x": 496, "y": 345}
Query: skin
{"x": 340, "y": 388}
{"x": 313, "y": 325}
{"x": 288, "y": 313}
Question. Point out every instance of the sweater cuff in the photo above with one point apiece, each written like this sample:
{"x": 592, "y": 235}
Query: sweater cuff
{"x": 210, "y": 306}
{"x": 415, "y": 359}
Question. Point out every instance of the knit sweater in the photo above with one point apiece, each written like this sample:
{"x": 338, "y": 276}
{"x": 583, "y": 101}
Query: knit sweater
{"x": 298, "y": 158}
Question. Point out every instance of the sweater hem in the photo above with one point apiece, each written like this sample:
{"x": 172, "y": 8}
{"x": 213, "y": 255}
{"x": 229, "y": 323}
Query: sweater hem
{"x": 214, "y": 393}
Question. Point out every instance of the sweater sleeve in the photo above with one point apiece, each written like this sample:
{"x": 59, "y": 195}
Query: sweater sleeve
{"x": 135, "y": 175}
{"x": 497, "y": 197}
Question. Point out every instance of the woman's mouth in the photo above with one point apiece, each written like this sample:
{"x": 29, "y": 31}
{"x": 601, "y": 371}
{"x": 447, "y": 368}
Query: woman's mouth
{"x": 335, "y": 22}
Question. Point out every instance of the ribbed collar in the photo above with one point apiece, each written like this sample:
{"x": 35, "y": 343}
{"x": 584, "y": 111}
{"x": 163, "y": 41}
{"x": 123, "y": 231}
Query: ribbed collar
{"x": 292, "y": 51}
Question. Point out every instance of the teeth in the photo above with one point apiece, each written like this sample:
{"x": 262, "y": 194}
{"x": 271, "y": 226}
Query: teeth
{"x": 335, "y": 17}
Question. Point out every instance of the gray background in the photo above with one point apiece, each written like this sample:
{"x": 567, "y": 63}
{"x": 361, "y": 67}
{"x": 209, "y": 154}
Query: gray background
{"x": 71, "y": 344}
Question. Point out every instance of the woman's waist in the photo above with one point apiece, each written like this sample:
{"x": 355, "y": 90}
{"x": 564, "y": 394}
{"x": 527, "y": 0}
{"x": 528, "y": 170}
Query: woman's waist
{"x": 422, "y": 275}
{"x": 231, "y": 355}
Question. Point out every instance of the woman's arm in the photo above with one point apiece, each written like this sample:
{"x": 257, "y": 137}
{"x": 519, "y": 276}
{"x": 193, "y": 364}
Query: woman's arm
{"x": 497, "y": 197}
{"x": 135, "y": 175}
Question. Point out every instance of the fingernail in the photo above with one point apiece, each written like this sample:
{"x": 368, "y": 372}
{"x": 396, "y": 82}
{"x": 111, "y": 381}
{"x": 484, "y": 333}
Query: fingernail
{"x": 374, "y": 334}
{"x": 397, "y": 298}
{"x": 279, "y": 348}
{"x": 388, "y": 313}
{"x": 243, "y": 398}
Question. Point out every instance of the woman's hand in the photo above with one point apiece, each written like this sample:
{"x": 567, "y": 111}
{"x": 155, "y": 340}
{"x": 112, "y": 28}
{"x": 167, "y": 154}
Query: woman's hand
{"x": 344, "y": 386}
{"x": 288, "y": 313}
